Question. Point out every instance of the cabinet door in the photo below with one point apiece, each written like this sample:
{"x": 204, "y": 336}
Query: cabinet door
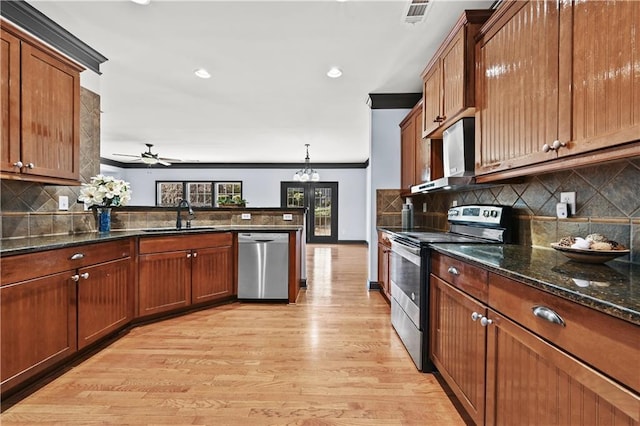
{"x": 383, "y": 270}
{"x": 531, "y": 382}
{"x": 453, "y": 77}
{"x": 458, "y": 345}
{"x": 432, "y": 102}
{"x": 50, "y": 115}
{"x": 517, "y": 87}
{"x": 422, "y": 161}
{"x": 605, "y": 76}
{"x": 408, "y": 154}
{"x": 38, "y": 326}
{"x": 104, "y": 300}
{"x": 211, "y": 274}
{"x": 10, "y": 98}
{"x": 164, "y": 282}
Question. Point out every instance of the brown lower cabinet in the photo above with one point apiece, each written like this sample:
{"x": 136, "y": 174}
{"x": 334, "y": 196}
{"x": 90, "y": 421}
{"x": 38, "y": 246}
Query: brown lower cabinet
{"x": 53, "y": 305}
{"x": 177, "y": 271}
{"x": 384, "y": 265}
{"x": 507, "y": 366}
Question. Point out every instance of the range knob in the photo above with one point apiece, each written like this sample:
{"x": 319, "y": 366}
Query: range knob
{"x": 494, "y": 213}
{"x": 485, "y": 213}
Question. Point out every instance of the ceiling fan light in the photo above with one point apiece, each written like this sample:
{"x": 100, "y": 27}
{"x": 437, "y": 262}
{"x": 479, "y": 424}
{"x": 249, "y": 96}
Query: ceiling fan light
{"x": 334, "y": 72}
{"x": 202, "y": 73}
{"x": 149, "y": 160}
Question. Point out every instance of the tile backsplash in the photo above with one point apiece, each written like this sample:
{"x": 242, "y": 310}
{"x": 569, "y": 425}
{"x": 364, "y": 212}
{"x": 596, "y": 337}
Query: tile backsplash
{"x": 607, "y": 202}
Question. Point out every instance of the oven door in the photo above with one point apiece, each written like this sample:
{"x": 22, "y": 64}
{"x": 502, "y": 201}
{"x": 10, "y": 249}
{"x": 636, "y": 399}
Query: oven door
{"x": 405, "y": 298}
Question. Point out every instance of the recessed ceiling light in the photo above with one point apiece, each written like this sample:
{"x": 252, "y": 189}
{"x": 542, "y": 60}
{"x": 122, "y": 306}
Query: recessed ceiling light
{"x": 202, "y": 73}
{"x": 144, "y": 2}
{"x": 334, "y": 72}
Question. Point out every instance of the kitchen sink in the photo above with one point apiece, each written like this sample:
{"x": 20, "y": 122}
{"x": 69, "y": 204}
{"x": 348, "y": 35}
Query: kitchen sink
{"x": 192, "y": 229}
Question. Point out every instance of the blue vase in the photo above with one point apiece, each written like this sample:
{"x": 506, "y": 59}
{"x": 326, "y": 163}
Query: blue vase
{"x": 104, "y": 219}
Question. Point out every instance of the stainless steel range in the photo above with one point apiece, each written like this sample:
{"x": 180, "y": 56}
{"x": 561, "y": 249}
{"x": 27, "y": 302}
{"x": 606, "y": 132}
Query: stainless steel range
{"x": 410, "y": 267}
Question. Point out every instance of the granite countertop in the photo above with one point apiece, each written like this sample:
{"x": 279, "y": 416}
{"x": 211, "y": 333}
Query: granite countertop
{"x": 35, "y": 244}
{"x": 612, "y": 287}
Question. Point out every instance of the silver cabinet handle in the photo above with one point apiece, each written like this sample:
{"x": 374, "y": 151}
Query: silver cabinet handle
{"x": 195, "y": 254}
{"x": 188, "y": 255}
{"x": 555, "y": 146}
{"x": 77, "y": 256}
{"x": 475, "y": 316}
{"x": 18, "y": 164}
{"x": 453, "y": 271}
{"x": 484, "y": 321}
{"x": 30, "y": 166}
{"x": 84, "y": 275}
{"x": 548, "y": 314}
{"x": 75, "y": 277}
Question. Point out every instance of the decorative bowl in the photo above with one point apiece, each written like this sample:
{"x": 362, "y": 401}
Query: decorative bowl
{"x": 588, "y": 255}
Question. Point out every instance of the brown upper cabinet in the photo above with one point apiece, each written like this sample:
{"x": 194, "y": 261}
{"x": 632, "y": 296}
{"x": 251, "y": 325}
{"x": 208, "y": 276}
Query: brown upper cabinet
{"x": 448, "y": 79}
{"x": 421, "y": 159}
{"x": 556, "y": 79}
{"x": 40, "y": 111}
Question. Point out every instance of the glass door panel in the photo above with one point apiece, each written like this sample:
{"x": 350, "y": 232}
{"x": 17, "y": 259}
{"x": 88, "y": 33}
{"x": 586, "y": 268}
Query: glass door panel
{"x": 321, "y": 201}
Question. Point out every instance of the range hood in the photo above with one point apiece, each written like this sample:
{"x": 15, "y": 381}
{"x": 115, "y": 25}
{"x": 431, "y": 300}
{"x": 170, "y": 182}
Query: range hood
{"x": 458, "y": 151}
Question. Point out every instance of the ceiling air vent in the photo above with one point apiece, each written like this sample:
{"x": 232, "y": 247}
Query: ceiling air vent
{"x": 416, "y": 11}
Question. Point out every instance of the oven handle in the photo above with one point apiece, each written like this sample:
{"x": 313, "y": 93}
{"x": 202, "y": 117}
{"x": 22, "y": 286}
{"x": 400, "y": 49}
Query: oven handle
{"x": 412, "y": 254}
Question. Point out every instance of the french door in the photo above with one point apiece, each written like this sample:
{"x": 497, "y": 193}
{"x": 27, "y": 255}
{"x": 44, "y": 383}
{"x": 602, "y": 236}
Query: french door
{"x": 321, "y": 201}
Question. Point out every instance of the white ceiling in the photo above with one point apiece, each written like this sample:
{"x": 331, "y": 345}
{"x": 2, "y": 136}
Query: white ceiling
{"x": 269, "y": 93}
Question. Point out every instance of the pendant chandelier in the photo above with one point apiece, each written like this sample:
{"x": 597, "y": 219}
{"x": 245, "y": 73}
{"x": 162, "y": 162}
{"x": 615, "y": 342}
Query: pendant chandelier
{"x": 307, "y": 173}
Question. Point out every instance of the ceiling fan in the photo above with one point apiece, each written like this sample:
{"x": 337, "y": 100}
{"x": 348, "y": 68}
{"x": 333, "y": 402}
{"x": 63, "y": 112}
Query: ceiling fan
{"x": 150, "y": 158}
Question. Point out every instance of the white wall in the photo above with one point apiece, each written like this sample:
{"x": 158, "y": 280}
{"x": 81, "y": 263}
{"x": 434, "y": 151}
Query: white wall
{"x": 261, "y": 188}
{"x": 383, "y": 171}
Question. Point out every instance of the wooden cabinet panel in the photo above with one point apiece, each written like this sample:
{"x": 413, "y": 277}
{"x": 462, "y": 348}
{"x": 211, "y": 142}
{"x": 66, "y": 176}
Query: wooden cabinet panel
{"x": 212, "y": 274}
{"x": 469, "y": 278}
{"x": 448, "y": 81}
{"x": 432, "y": 103}
{"x": 530, "y": 381}
{"x": 47, "y": 94}
{"x": 10, "y": 98}
{"x": 384, "y": 265}
{"x": 104, "y": 300}
{"x": 517, "y": 97}
{"x": 407, "y": 153}
{"x": 458, "y": 345}
{"x": 619, "y": 355}
{"x": 38, "y": 326}
{"x": 164, "y": 282}
{"x": 606, "y": 89}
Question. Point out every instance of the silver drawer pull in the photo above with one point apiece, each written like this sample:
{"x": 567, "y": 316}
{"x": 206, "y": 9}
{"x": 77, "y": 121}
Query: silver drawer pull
{"x": 453, "y": 271}
{"x": 75, "y": 277}
{"x": 476, "y": 316}
{"x": 484, "y": 321}
{"x": 84, "y": 275}
{"x": 547, "y": 314}
{"x": 77, "y": 256}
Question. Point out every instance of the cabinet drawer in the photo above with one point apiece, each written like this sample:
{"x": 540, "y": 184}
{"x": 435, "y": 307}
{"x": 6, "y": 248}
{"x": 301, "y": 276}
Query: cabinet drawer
{"x": 469, "y": 278}
{"x": 27, "y": 266}
{"x": 607, "y": 343}
{"x": 184, "y": 242}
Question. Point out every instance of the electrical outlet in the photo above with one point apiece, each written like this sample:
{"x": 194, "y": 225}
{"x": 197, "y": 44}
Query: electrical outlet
{"x": 570, "y": 199}
{"x": 287, "y": 216}
{"x": 63, "y": 202}
{"x": 454, "y": 203}
{"x": 245, "y": 216}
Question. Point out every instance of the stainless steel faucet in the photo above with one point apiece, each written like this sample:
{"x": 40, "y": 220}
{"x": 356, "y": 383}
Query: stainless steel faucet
{"x": 184, "y": 203}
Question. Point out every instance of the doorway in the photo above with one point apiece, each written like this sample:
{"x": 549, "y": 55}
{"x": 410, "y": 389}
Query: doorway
{"x": 321, "y": 201}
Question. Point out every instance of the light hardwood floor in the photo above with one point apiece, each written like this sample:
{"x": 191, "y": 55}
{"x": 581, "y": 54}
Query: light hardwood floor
{"x": 330, "y": 359}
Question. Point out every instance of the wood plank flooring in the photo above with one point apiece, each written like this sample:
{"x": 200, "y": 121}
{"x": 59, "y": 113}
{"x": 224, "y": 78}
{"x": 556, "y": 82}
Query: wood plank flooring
{"x": 330, "y": 359}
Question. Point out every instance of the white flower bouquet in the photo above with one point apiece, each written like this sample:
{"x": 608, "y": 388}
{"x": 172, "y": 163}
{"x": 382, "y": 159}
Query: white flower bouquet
{"x": 105, "y": 191}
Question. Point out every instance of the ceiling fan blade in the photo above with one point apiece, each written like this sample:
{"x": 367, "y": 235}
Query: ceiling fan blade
{"x": 164, "y": 163}
{"x": 173, "y": 160}
{"x": 127, "y": 155}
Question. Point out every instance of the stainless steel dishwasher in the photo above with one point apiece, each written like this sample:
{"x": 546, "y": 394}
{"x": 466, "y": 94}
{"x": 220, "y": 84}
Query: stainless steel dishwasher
{"x": 263, "y": 266}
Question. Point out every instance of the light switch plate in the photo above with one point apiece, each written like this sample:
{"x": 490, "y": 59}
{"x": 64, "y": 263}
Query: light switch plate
{"x": 245, "y": 216}
{"x": 287, "y": 216}
{"x": 63, "y": 202}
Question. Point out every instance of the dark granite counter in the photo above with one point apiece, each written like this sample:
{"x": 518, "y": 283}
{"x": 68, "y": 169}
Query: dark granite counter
{"x": 35, "y": 244}
{"x": 612, "y": 287}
